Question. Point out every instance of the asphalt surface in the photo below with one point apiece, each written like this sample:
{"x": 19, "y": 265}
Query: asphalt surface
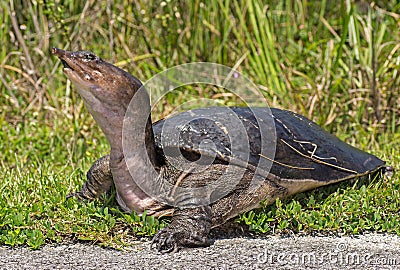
{"x": 373, "y": 251}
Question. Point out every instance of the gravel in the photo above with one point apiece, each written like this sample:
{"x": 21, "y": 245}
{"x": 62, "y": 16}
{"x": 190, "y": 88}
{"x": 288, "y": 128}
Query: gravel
{"x": 372, "y": 251}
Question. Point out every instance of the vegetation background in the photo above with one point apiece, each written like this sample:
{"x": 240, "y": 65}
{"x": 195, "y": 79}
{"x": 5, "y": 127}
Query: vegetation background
{"x": 337, "y": 62}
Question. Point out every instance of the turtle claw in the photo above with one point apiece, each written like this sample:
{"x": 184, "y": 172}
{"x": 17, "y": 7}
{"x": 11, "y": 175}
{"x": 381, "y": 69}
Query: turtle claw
{"x": 166, "y": 241}
{"x": 71, "y": 195}
{"x": 80, "y": 196}
{"x": 189, "y": 228}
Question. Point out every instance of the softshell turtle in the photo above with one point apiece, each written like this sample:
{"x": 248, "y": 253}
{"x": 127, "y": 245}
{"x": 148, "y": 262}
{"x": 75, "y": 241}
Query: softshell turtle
{"x": 306, "y": 156}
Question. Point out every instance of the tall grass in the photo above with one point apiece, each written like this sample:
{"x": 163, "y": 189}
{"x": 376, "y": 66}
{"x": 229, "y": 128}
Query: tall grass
{"x": 331, "y": 62}
{"x": 335, "y": 62}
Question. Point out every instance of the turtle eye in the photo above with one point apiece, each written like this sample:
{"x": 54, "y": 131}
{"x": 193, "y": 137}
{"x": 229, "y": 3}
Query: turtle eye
{"x": 89, "y": 56}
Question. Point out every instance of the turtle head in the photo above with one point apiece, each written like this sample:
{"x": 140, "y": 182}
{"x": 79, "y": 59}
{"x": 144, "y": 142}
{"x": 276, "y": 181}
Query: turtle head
{"x": 97, "y": 81}
{"x": 106, "y": 89}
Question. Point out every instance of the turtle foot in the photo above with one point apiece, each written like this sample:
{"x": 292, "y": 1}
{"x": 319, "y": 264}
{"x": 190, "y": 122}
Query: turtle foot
{"x": 99, "y": 181}
{"x": 188, "y": 228}
{"x": 80, "y": 196}
{"x": 170, "y": 240}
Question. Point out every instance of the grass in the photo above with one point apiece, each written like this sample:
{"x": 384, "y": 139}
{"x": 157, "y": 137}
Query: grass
{"x": 335, "y": 63}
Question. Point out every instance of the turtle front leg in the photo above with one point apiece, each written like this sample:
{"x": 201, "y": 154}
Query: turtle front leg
{"x": 189, "y": 228}
{"x": 99, "y": 180}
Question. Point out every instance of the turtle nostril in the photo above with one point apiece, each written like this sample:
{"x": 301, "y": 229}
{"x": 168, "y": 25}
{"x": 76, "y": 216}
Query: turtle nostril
{"x": 57, "y": 52}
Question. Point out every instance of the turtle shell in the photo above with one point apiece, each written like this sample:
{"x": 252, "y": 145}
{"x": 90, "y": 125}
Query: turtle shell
{"x": 286, "y": 145}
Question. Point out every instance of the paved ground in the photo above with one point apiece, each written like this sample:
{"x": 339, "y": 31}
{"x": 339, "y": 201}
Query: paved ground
{"x": 298, "y": 252}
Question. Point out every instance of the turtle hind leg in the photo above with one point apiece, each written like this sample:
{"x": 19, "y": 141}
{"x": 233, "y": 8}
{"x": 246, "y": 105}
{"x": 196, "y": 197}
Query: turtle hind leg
{"x": 189, "y": 227}
{"x": 99, "y": 180}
